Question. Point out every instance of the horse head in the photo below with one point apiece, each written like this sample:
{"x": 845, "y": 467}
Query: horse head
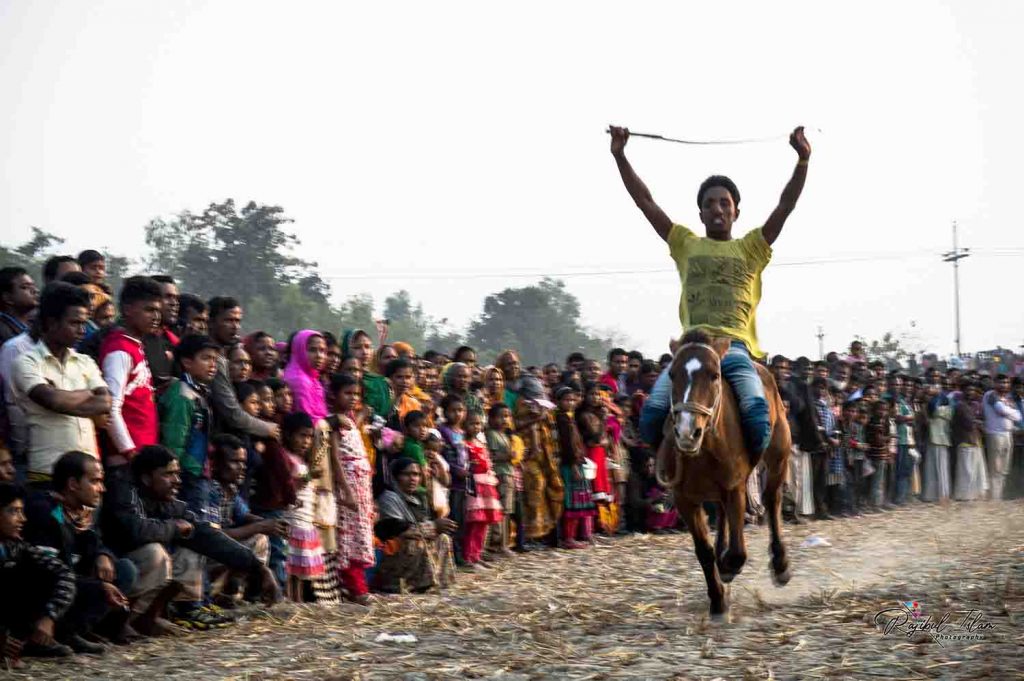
{"x": 696, "y": 374}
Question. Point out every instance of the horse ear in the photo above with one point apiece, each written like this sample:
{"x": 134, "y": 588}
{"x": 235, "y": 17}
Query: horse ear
{"x": 674, "y": 344}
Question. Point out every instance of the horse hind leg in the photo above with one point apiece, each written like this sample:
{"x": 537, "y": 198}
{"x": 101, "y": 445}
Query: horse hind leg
{"x": 773, "y": 506}
{"x": 696, "y": 520}
{"x": 732, "y": 561}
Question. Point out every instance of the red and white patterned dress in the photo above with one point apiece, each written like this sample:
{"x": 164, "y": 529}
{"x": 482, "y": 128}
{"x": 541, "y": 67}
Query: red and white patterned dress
{"x": 355, "y": 527}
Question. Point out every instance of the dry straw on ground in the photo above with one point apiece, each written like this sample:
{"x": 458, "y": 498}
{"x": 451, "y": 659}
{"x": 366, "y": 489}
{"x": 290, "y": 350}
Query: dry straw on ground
{"x": 635, "y": 608}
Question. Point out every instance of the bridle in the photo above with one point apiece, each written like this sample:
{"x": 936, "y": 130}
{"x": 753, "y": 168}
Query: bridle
{"x": 677, "y": 408}
{"x": 696, "y": 407}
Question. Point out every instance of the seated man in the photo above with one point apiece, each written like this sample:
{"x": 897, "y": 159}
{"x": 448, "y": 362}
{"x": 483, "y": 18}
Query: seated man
{"x": 63, "y": 522}
{"x": 721, "y": 281}
{"x": 227, "y": 508}
{"x": 145, "y": 521}
{"x": 36, "y": 588}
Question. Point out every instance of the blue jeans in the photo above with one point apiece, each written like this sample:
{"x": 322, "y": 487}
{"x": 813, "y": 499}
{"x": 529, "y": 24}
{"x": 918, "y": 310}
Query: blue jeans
{"x": 278, "y": 548}
{"x": 739, "y": 370}
{"x": 904, "y": 473}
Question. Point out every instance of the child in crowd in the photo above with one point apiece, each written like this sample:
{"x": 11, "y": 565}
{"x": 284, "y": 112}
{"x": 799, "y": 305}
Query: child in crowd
{"x": 185, "y": 417}
{"x": 833, "y": 465}
{"x": 483, "y": 508}
{"x": 36, "y": 588}
{"x": 268, "y": 405}
{"x": 283, "y": 398}
{"x": 881, "y": 434}
{"x": 619, "y": 464}
{"x": 399, "y": 373}
{"x": 579, "y": 508}
{"x": 654, "y": 501}
{"x": 591, "y": 420}
{"x": 440, "y": 477}
{"x": 305, "y": 553}
{"x": 7, "y": 469}
{"x": 249, "y": 398}
{"x": 507, "y": 450}
{"x": 355, "y": 489}
{"x": 457, "y": 458}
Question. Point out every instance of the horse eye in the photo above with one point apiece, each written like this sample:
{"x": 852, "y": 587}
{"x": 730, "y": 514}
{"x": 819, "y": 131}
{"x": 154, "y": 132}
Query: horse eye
{"x": 714, "y": 376}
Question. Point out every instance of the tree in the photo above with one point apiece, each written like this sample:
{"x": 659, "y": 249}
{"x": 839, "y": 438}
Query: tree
{"x": 408, "y": 322}
{"x": 893, "y": 348}
{"x": 540, "y": 321}
{"x": 247, "y": 254}
{"x": 32, "y": 254}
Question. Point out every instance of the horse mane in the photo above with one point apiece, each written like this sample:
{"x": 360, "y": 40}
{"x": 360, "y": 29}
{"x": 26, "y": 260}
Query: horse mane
{"x": 696, "y": 336}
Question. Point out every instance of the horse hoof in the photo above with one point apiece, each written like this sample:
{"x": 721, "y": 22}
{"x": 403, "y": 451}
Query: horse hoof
{"x": 781, "y": 578}
{"x": 726, "y": 577}
{"x": 720, "y": 617}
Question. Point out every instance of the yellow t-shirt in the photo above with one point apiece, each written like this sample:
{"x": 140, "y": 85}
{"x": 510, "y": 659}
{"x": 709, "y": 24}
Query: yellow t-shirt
{"x": 721, "y": 283}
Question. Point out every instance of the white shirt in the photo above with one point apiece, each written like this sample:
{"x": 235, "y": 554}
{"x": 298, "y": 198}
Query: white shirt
{"x": 51, "y": 434}
{"x": 999, "y": 415}
{"x": 12, "y": 349}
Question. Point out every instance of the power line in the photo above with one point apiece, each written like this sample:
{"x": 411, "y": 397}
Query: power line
{"x": 570, "y": 274}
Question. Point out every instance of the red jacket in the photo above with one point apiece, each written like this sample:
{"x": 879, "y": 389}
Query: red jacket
{"x": 133, "y": 415}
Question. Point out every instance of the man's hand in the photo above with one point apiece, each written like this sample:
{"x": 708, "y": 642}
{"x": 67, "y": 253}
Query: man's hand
{"x": 113, "y": 596}
{"x": 275, "y": 433}
{"x": 184, "y": 528}
{"x": 446, "y": 525}
{"x": 274, "y": 527}
{"x": 104, "y": 568}
{"x": 43, "y": 633}
{"x": 619, "y": 138}
{"x": 269, "y": 588}
{"x": 800, "y": 143}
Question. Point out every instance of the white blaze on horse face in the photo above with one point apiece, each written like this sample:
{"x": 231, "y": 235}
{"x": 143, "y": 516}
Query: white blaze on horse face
{"x": 684, "y": 427}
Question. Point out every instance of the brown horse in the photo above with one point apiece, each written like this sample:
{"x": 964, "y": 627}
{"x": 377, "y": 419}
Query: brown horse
{"x": 705, "y": 458}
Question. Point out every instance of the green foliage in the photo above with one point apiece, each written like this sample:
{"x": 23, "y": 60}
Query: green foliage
{"x": 540, "y": 321}
{"x": 245, "y": 254}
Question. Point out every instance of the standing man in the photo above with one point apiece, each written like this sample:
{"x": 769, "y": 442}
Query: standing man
{"x": 1000, "y": 416}
{"x": 225, "y": 325}
{"x": 618, "y": 367}
{"x": 133, "y": 418}
{"x": 19, "y": 299}
{"x": 720, "y": 277}
{"x": 60, "y": 391}
{"x": 159, "y": 346}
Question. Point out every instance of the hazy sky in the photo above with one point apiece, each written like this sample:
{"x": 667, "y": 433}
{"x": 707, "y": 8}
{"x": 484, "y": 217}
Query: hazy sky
{"x": 419, "y": 144}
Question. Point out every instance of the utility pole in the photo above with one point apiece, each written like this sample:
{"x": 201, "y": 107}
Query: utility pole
{"x": 821, "y": 343}
{"x": 955, "y": 256}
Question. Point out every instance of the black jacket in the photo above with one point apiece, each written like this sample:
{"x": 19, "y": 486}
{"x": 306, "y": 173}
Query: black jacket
{"x": 132, "y": 520}
{"x": 79, "y": 549}
{"x": 802, "y": 424}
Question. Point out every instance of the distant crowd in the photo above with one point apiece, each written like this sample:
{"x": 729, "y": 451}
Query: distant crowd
{"x": 159, "y": 467}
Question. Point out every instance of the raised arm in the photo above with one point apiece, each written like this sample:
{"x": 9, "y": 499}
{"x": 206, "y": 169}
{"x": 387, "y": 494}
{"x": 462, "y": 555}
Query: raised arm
{"x": 773, "y": 226}
{"x": 638, "y": 191}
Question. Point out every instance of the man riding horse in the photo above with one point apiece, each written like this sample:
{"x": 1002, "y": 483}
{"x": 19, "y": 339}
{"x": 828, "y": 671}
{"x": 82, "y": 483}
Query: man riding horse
{"x": 721, "y": 280}
{"x": 720, "y": 429}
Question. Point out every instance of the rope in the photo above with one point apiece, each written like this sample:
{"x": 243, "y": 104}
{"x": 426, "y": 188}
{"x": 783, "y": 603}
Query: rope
{"x": 746, "y": 140}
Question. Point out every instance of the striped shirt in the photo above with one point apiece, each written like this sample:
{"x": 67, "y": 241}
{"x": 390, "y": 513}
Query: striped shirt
{"x": 14, "y": 554}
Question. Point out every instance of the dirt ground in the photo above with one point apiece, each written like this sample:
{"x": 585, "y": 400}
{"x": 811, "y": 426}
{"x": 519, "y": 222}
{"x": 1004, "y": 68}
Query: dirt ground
{"x": 635, "y": 607}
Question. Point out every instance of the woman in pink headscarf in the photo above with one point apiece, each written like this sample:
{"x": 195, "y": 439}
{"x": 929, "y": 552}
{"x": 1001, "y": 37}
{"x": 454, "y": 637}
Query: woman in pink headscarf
{"x": 307, "y": 356}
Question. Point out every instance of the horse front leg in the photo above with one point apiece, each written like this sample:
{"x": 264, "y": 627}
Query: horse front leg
{"x": 721, "y": 535}
{"x": 773, "y": 505}
{"x": 735, "y": 507}
{"x": 697, "y": 521}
